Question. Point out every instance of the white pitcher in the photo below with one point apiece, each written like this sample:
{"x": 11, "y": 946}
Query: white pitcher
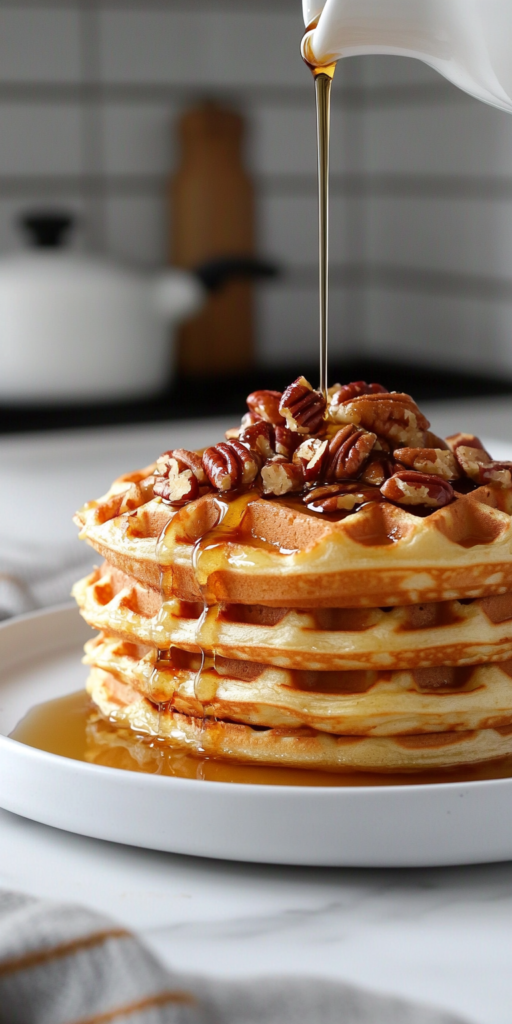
{"x": 467, "y": 41}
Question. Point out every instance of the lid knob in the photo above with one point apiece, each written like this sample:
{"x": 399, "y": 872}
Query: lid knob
{"x": 48, "y": 229}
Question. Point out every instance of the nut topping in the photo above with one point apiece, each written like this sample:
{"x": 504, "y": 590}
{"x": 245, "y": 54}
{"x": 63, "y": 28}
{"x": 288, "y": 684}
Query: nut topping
{"x": 471, "y": 461}
{"x": 429, "y": 460}
{"x": 311, "y": 456}
{"x": 455, "y": 441}
{"x": 377, "y": 470}
{"x": 497, "y": 473}
{"x": 348, "y": 451}
{"x": 265, "y": 406}
{"x": 179, "y": 476}
{"x": 302, "y": 407}
{"x": 259, "y": 437}
{"x": 335, "y": 497}
{"x": 286, "y": 441}
{"x": 229, "y": 464}
{"x": 410, "y": 488}
{"x": 281, "y": 477}
{"x": 343, "y": 392}
{"x": 395, "y": 417}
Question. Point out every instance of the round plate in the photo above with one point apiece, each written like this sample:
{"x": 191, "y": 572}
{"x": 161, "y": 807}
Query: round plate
{"x": 385, "y": 826}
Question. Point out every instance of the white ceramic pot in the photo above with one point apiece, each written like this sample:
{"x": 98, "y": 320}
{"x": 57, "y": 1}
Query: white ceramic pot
{"x": 76, "y": 328}
{"x": 467, "y": 41}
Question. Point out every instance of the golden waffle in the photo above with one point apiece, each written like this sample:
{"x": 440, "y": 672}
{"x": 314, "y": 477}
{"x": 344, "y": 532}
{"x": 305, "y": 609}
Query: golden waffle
{"x": 302, "y": 748}
{"x": 273, "y": 552}
{"x": 363, "y": 703}
{"x": 411, "y": 636}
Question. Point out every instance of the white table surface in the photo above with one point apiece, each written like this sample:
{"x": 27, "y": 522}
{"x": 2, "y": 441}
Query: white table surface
{"x": 443, "y": 936}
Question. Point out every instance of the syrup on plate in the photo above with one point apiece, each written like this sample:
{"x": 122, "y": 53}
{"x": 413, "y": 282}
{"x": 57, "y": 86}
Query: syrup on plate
{"x": 72, "y": 727}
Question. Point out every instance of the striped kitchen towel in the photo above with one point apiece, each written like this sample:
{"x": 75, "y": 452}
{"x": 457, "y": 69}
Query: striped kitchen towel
{"x": 62, "y": 964}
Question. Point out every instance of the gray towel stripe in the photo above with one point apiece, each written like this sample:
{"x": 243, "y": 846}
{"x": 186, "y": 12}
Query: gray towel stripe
{"x": 151, "y": 1002}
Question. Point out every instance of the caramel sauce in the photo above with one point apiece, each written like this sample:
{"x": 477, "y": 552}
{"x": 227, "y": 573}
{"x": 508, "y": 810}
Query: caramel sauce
{"x": 72, "y": 727}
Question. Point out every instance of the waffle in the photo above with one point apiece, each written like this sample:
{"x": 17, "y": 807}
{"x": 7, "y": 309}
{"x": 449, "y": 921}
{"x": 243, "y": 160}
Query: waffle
{"x": 276, "y": 554}
{"x": 411, "y": 636}
{"x": 300, "y": 748}
{"x": 330, "y": 589}
{"x": 363, "y": 703}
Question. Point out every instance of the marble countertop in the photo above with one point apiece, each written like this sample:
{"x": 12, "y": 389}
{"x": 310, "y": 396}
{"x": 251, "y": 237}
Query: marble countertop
{"x": 442, "y": 936}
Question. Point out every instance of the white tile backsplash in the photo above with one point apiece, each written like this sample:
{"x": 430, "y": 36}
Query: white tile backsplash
{"x": 39, "y": 45}
{"x": 89, "y": 98}
{"x": 138, "y": 138}
{"x": 137, "y": 229}
{"x": 201, "y": 48}
{"x": 40, "y": 138}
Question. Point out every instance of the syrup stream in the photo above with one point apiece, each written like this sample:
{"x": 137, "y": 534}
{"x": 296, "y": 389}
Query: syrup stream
{"x": 323, "y": 83}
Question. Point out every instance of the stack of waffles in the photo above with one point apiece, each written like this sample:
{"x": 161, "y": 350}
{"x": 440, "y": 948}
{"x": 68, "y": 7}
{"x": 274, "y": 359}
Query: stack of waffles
{"x": 329, "y": 588}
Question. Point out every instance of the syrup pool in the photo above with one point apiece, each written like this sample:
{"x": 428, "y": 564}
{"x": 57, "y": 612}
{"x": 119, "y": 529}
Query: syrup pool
{"x": 72, "y": 727}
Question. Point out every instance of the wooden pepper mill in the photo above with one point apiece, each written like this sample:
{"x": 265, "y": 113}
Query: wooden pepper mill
{"x": 212, "y": 214}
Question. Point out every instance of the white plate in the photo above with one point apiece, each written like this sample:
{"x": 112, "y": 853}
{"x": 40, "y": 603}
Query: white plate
{"x": 453, "y": 823}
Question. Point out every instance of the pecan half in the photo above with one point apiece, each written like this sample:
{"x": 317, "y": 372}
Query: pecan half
{"x": 336, "y": 497}
{"x": 286, "y": 441}
{"x": 265, "y": 406}
{"x": 178, "y": 488}
{"x": 311, "y": 456}
{"x": 438, "y": 461}
{"x": 348, "y": 451}
{"x": 302, "y": 407}
{"x": 378, "y": 469}
{"x": 343, "y": 392}
{"x": 410, "y": 488}
{"x": 472, "y": 460}
{"x": 497, "y": 473}
{"x": 229, "y": 464}
{"x": 281, "y": 477}
{"x": 394, "y": 416}
{"x": 455, "y": 441}
{"x": 259, "y": 437}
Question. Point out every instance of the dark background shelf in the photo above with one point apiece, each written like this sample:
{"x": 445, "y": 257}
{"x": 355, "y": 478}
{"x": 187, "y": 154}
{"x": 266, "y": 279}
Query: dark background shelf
{"x": 194, "y": 397}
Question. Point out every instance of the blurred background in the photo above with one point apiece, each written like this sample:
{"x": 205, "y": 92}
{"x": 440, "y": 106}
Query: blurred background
{"x": 108, "y": 111}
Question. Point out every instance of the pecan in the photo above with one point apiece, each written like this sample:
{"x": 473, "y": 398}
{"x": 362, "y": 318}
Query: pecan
{"x": 185, "y": 459}
{"x": 343, "y": 392}
{"x": 286, "y": 441}
{"x": 455, "y": 441}
{"x": 335, "y": 497}
{"x": 302, "y": 407}
{"x": 259, "y": 437}
{"x": 438, "y": 461}
{"x": 229, "y": 464}
{"x": 431, "y": 440}
{"x": 410, "y": 488}
{"x": 394, "y": 416}
{"x": 265, "y": 406}
{"x": 378, "y": 469}
{"x": 281, "y": 477}
{"x": 348, "y": 451}
{"x": 178, "y": 488}
{"x": 311, "y": 457}
{"x": 472, "y": 460}
{"x": 497, "y": 473}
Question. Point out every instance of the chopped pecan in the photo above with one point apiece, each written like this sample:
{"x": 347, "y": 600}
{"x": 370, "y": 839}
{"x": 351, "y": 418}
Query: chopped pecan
{"x": 259, "y": 437}
{"x": 281, "y": 477}
{"x": 455, "y": 441}
{"x": 438, "y": 461}
{"x": 178, "y": 459}
{"x": 286, "y": 441}
{"x": 431, "y": 440}
{"x": 348, "y": 451}
{"x": 335, "y": 497}
{"x": 343, "y": 392}
{"x": 265, "y": 406}
{"x": 394, "y": 416}
{"x": 410, "y": 488}
{"x": 229, "y": 464}
{"x": 302, "y": 407}
{"x": 311, "y": 456}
